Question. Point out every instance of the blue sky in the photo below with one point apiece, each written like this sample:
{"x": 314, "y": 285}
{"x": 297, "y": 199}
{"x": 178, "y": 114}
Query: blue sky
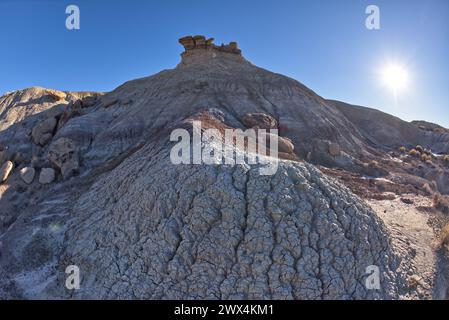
{"x": 324, "y": 44}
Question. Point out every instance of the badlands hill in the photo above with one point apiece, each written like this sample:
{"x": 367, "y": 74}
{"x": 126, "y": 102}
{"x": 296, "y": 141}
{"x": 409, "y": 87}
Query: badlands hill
{"x": 86, "y": 180}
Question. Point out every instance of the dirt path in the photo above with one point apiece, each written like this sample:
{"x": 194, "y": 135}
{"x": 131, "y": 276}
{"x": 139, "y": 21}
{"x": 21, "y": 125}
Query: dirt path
{"x": 416, "y": 239}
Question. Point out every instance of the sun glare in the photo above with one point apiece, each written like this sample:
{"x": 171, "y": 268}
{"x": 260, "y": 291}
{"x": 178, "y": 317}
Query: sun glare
{"x": 395, "y": 77}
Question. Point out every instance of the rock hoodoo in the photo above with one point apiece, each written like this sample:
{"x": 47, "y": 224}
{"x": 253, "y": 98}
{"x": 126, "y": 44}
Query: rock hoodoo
{"x": 200, "y": 46}
{"x": 200, "y": 42}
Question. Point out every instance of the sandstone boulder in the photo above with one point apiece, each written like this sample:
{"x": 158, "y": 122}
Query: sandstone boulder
{"x": 334, "y": 149}
{"x": 47, "y": 176}
{"x": 46, "y": 138}
{"x": 259, "y": 120}
{"x": 285, "y": 145}
{"x": 63, "y": 153}
{"x": 373, "y": 169}
{"x": 5, "y": 170}
{"x": 27, "y": 174}
{"x": 40, "y": 130}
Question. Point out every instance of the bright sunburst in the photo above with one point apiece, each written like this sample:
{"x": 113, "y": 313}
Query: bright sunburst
{"x": 395, "y": 77}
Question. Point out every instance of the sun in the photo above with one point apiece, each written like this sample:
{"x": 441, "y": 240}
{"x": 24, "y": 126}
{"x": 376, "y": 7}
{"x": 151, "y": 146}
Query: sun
{"x": 395, "y": 77}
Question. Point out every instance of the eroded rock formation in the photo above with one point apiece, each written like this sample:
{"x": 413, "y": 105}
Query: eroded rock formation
{"x": 200, "y": 42}
{"x": 198, "y": 48}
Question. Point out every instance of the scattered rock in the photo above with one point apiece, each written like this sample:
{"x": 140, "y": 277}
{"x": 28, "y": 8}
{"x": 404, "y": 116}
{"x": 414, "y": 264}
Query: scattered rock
{"x": 407, "y": 201}
{"x": 27, "y": 174}
{"x": 259, "y": 120}
{"x": 334, "y": 150}
{"x": 64, "y": 154}
{"x": 373, "y": 169}
{"x": 43, "y": 128}
{"x": 284, "y": 145}
{"x": 46, "y": 138}
{"x": 47, "y": 176}
{"x": 217, "y": 113}
{"x": 413, "y": 281}
{"x": 5, "y": 170}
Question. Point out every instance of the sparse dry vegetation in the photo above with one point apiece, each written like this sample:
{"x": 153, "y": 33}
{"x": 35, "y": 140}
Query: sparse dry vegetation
{"x": 419, "y": 148}
{"x": 403, "y": 149}
{"x": 414, "y": 153}
{"x": 426, "y": 158}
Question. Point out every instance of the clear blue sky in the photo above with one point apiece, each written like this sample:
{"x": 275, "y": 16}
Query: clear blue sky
{"x": 323, "y": 44}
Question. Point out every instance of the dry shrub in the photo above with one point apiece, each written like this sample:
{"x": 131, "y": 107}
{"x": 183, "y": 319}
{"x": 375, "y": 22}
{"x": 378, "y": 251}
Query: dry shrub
{"x": 414, "y": 153}
{"x": 425, "y": 157}
{"x": 446, "y": 159}
{"x": 403, "y": 149}
{"x": 419, "y": 148}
